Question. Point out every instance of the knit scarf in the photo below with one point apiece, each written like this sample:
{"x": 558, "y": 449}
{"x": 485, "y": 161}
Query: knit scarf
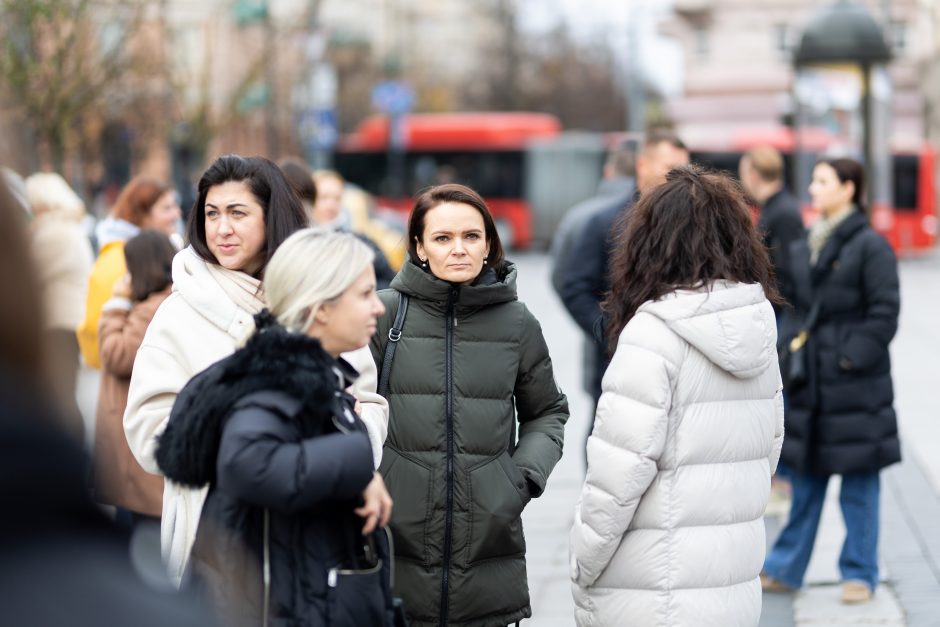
{"x": 244, "y": 290}
{"x": 823, "y": 229}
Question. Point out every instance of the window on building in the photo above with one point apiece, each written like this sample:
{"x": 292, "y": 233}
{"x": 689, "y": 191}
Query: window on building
{"x": 701, "y": 43}
{"x": 898, "y": 36}
{"x": 782, "y": 37}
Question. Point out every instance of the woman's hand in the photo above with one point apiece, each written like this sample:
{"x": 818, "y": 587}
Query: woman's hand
{"x": 377, "y": 509}
{"x": 122, "y": 288}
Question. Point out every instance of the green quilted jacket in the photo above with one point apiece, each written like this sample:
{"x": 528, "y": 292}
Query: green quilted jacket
{"x": 471, "y": 361}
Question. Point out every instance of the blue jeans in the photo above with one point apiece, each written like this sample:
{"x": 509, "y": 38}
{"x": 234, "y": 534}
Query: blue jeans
{"x": 858, "y": 498}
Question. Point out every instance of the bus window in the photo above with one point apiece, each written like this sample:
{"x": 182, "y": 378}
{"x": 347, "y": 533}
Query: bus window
{"x": 905, "y": 182}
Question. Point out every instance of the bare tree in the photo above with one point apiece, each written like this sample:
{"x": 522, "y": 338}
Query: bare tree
{"x": 60, "y": 59}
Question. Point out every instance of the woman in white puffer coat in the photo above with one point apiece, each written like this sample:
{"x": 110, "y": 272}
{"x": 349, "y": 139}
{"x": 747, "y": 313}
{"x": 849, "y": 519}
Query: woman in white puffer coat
{"x": 669, "y": 528}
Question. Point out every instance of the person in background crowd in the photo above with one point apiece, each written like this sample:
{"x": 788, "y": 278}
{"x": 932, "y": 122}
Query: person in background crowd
{"x": 615, "y": 192}
{"x": 63, "y": 258}
{"x": 325, "y": 208}
{"x": 288, "y": 463}
{"x": 144, "y": 203}
{"x": 669, "y": 527}
{"x": 586, "y": 279}
{"x": 244, "y": 211}
{"x": 471, "y": 360}
{"x": 780, "y": 222}
{"x": 64, "y": 563}
{"x": 119, "y": 479}
{"x": 841, "y": 421}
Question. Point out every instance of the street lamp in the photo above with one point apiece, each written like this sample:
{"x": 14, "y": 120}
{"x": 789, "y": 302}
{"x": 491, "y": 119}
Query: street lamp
{"x": 842, "y": 86}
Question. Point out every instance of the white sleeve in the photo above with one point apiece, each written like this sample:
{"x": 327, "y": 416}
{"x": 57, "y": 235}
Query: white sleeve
{"x": 622, "y": 452}
{"x": 374, "y": 406}
{"x": 778, "y": 432}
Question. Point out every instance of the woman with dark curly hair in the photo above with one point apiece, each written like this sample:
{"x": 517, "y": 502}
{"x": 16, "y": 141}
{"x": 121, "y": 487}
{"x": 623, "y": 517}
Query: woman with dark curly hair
{"x": 669, "y": 529}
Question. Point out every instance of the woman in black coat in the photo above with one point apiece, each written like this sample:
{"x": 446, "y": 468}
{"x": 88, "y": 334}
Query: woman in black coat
{"x": 841, "y": 420}
{"x": 287, "y": 461}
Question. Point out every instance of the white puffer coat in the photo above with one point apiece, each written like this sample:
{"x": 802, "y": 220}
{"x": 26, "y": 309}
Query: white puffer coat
{"x": 669, "y": 529}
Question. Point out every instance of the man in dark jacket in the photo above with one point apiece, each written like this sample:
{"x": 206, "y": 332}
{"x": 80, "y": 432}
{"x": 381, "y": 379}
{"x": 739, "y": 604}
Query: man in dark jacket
{"x": 586, "y": 280}
{"x": 761, "y": 172}
{"x": 615, "y": 191}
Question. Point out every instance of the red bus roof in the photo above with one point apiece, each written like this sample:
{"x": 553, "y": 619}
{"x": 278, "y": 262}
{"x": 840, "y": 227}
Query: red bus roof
{"x": 455, "y": 131}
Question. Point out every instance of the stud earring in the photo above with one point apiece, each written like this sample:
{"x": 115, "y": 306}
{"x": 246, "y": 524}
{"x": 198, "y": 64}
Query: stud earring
{"x": 424, "y": 263}
{"x": 484, "y": 261}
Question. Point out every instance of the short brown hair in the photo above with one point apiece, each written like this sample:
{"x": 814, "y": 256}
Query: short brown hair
{"x": 662, "y": 135}
{"x": 300, "y": 177}
{"x": 452, "y": 192}
{"x": 137, "y": 199}
{"x": 767, "y": 162}
{"x": 149, "y": 256}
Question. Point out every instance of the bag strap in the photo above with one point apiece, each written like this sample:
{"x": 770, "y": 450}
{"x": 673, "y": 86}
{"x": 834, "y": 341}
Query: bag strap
{"x": 394, "y": 334}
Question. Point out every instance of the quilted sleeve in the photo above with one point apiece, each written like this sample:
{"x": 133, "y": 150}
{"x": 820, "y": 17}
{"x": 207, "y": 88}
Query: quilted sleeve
{"x": 622, "y": 452}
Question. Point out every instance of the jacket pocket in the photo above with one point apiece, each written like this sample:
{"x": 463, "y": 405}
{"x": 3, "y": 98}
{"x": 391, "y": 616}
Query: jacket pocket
{"x": 410, "y": 484}
{"x": 498, "y": 495}
{"x": 356, "y": 597}
{"x": 859, "y": 353}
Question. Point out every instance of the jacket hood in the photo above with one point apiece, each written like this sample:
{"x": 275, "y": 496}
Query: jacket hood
{"x": 273, "y": 359}
{"x": 732, "y": 324}
{"x": 113, "y": 229}
{"x": 489, "y": 288}
{"x": 203, "y": 293}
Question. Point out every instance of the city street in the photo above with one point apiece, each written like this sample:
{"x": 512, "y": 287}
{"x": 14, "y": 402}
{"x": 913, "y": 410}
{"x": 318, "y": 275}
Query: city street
{"x": 910, "y": 543}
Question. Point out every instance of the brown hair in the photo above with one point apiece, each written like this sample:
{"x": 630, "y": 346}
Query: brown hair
{"x": 21, "y": 309}
{"x": 662, "y": 135}
{"x": 149, "y": 256}
{"x": 767, "y": 162}
{"x": 690, "y": 231}
{"x": 137, "y": 199}
{"x": 300, "y": 177}
{"x": 452, "y": 192}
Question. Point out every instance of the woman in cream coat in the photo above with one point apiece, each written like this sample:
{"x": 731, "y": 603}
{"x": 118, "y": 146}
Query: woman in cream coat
{"x": 244, "y": 210}
{"x": 669, "y": 529}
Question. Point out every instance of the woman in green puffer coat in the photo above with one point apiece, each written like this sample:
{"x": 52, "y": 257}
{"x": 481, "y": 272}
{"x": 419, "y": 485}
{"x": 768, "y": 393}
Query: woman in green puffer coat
{"x": 470, "y": 362}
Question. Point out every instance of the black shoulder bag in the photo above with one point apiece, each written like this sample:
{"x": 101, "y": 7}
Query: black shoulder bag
{"x": 394, "y": 334}
{"x": 792, "y": 353}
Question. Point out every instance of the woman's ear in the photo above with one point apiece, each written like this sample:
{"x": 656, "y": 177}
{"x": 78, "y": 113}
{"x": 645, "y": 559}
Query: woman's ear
{"x": 419, "y": 248}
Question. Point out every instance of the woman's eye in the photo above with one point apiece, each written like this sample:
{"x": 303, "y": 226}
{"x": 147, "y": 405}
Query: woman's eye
{"x": 473, "y": 236}
{"x": 212, "y": 214}
{"x": 440, "y": 238}
{"x": 238, "y": 214}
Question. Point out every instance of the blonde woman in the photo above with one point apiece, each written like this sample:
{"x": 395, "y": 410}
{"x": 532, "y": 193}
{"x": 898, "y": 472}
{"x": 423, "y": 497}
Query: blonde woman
{"x": 287, "y": 528}
{"x": 63, "y": 258}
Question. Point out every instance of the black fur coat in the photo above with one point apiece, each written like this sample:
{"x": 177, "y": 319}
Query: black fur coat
{"x": 273, "y": 434}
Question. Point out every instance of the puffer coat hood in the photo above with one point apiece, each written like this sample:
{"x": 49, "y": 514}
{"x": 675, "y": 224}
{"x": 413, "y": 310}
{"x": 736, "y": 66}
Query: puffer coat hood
{"x": 669, "y": 529}
{"x": 728, "y": 324}
{"x": 471, "y": 359}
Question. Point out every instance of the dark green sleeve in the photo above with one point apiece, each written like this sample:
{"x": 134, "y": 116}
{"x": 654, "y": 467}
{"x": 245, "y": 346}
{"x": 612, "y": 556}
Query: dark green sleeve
{"x": 541, "y": 406}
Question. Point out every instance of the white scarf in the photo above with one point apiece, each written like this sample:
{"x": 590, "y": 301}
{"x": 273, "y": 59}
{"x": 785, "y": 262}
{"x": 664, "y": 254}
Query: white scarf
{"x": 244, "y": 290}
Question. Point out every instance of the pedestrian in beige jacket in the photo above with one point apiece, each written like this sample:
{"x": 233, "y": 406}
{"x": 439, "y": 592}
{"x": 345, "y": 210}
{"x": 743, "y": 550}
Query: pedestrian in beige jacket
{"x": 244, "y": 210}
{"x": 119, "y": 479}
{"x": 63, "y": 257}
{"x": 669, "y": 528}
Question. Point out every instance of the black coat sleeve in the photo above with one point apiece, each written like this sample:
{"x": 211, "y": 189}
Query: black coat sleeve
{"x": 261, "y": 464}
{"x": 583, "y": 281}
{"x": 867, "y": 341}
{"x": 786, "y": 229}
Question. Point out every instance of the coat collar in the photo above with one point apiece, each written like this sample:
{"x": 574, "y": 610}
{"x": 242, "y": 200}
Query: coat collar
{"x": 849, "y": 227}
{"x": 489, "y": 288}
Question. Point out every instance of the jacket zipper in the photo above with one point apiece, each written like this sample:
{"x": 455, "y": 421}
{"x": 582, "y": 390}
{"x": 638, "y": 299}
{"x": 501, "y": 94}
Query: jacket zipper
{"x": 449, "y": 394}
{"x": 267, "y": 569}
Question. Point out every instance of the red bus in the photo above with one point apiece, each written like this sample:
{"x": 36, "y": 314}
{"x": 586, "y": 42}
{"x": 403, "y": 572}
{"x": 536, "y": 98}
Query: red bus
{"x": 486, "y": 151}
{"x": 909, "y": 222}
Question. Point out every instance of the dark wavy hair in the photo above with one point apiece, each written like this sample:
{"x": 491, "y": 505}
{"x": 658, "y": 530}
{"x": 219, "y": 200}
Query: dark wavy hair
{"x": 690, "y": 231}
{"x": 283, "y": 212}
{"x": 453, "y": 192}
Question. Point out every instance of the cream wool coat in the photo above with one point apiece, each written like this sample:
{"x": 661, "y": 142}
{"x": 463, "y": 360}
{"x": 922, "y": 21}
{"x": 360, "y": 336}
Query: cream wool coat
{"x": 196, "y": 326}
{"x": 669, "y": 529}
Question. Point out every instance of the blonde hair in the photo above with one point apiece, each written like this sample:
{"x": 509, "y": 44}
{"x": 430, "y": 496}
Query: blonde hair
{"x": 312, "y": 267}
{"x": 767, "y": 162}
{"x": 321, "y": 175}
{"x": 48, "y": 193}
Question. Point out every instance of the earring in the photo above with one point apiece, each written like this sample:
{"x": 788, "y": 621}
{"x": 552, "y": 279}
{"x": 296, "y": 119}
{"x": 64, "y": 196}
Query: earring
{"x": 424, "y": 263}
{"x": 484, "y": 261}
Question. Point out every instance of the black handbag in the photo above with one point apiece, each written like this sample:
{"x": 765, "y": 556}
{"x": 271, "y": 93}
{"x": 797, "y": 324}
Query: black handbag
{"x": 394, "y": 334}
{"x": 792, "y": 352}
